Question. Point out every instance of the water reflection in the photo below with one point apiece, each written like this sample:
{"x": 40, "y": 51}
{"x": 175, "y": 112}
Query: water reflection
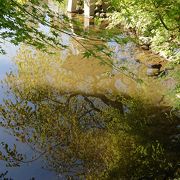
{"x": 67, "y": 116}
{"x": 72, "y": 117}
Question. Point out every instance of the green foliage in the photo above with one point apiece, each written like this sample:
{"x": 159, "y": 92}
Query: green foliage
{"x": 157, "y": 20}
{"x": 17, "y": 22}
{"x": 175, "y": 91}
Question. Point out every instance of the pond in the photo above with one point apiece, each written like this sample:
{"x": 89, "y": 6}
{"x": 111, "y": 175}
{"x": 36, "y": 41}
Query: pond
{"x": 67, "y": 116}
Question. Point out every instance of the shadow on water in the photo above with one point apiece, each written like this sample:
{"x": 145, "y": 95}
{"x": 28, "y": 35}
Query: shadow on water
{"x": 80, "y": 130}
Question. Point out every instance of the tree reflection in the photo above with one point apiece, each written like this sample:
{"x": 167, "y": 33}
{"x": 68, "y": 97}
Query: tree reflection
{"x": 84, "y": 133}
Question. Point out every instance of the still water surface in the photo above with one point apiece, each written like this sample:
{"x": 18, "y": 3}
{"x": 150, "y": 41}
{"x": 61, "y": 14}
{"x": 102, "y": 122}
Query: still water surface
{"x": 67, "y": 115}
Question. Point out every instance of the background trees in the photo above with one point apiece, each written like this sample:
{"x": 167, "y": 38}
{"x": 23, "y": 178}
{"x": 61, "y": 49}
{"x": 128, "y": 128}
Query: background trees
{"x": 155, "y": 22}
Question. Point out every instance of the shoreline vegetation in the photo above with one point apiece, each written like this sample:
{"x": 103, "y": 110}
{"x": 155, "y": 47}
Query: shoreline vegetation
{"x": 155, "y": 24}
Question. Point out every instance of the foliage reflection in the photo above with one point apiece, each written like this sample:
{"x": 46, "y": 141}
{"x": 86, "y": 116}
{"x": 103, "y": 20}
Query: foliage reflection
{"x": 84, "y": 133}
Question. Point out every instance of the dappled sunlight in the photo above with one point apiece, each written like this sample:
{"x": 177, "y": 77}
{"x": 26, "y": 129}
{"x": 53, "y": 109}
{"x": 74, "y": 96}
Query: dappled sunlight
{"x": 82, "y": 99}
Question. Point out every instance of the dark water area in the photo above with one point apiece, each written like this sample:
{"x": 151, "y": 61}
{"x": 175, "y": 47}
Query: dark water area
{"x": 64, "y": 116}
